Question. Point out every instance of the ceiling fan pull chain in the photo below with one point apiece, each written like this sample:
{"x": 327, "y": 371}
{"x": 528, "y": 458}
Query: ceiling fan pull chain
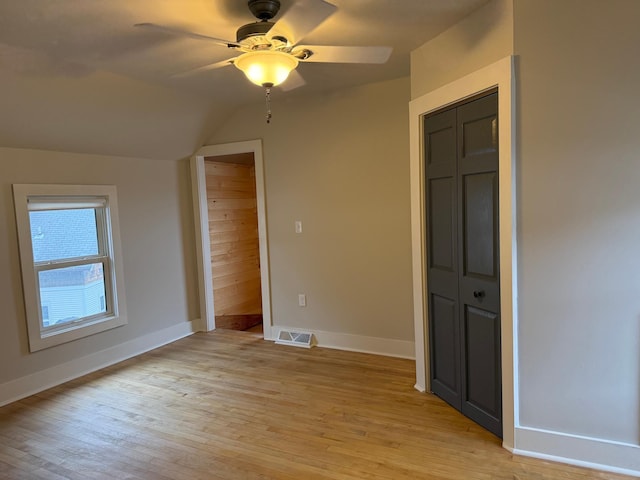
{"x": 268, "y": 100}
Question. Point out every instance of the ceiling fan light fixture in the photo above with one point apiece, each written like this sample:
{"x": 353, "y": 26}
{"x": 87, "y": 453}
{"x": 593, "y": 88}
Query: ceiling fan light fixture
{"x": 266, "y": 68}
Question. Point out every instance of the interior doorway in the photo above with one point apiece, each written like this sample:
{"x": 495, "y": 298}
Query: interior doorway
{"x": 233, "y": 264}
{"x": 233, "y": 240}
{"x": 500, "y": 75}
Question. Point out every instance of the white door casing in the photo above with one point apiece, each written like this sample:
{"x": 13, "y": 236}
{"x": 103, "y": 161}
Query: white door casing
{"x": 500, "y": 74}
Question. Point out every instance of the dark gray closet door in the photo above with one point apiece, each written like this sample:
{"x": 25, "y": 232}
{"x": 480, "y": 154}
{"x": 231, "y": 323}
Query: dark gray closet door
{"x": 462, "y": 270}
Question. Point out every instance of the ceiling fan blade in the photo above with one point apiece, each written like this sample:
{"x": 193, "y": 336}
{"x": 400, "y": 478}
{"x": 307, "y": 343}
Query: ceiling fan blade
{"x": 301, "y": 18}
{"x": 184, "y": 33}
{"x": 204, "y": 68}
{"x": 336, "y": 54}
{"x": 294, "y": 80}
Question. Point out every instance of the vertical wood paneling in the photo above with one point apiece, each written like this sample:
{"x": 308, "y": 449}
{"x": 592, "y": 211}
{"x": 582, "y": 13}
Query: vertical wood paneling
{"x": 233, "y": 234}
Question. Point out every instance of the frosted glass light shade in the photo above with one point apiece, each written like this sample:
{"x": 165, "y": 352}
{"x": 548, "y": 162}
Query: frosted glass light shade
{"x": 266, "y": 68}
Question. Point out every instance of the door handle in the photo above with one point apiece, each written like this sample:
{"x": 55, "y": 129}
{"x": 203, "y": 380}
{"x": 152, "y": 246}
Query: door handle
{"x": 478, "y": 294}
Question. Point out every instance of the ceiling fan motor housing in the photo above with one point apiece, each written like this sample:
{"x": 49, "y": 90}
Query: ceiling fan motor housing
{"x": 264, "y": 9}
{"x": 252, "y": 30}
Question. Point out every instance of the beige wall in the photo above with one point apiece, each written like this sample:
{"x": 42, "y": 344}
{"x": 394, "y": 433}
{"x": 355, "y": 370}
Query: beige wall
{"x": 579, "y": 216}
{"x": 480, "y": 39}
{"x": 157, "y": 243}
{"x": 338, "y": 162}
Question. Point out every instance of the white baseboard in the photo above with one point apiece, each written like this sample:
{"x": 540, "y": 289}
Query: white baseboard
{"x": 616, "y": 457}
{"x": 51, "y": 377}
{"x": 357, "y": 343}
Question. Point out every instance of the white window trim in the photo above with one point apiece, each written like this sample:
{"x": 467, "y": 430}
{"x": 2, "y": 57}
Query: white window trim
{"x": 40, "y": 338}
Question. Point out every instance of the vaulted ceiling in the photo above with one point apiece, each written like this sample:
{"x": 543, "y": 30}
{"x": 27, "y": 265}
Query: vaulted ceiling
{"x": 76, "y": 75}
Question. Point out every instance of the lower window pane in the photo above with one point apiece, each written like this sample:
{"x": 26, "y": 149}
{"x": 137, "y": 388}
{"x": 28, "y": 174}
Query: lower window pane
{"x": 71, "y": 293}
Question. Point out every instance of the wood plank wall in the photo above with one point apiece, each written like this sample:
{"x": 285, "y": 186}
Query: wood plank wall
{"x": 233, "y": 236}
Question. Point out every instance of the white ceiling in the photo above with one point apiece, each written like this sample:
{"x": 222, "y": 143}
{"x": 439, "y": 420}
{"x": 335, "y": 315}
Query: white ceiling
{"x": 76, "y": 75}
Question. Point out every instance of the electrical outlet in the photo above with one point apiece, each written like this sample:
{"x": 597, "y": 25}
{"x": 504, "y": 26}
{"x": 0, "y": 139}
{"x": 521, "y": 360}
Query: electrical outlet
{"x": 298, "y": 225}
{"x": 302, "y": 300}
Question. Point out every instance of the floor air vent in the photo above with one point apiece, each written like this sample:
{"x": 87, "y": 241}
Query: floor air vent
{"x": 297, "y": 339}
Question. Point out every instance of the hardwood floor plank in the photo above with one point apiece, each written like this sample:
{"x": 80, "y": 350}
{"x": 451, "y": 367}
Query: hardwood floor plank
{"x": 228, "y": 405}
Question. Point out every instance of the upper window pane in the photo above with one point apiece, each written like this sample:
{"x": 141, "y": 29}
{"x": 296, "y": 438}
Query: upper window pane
{"x": 63, "y": 234}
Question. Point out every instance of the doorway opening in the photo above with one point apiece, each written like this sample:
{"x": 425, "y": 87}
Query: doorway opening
{"x": 233, "y": 241}
{"x": 231, "y": 237}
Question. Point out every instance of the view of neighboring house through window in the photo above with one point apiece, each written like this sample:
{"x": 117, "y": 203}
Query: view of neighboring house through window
{"x": 70, "y": 271}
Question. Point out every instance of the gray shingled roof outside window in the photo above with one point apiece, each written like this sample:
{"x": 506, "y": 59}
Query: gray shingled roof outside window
{"x": 64, "y": 234}
{"x": 60, "y": 234}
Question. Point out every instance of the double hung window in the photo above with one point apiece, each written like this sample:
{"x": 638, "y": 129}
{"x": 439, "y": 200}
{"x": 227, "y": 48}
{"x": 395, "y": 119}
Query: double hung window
{"x": 70, "y": 259}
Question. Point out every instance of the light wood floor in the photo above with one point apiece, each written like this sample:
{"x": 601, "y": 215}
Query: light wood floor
{"x": 228, "y": 405}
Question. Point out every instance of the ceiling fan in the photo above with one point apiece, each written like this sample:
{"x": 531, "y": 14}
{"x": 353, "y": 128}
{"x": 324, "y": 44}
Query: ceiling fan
{"x": 270, "y": 51}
